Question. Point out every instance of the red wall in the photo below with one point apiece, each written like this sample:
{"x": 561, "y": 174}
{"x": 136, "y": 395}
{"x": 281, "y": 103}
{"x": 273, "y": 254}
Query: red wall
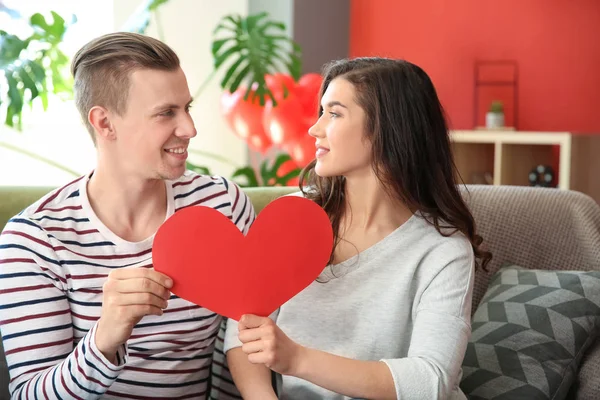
{"x": 556, "y": 44}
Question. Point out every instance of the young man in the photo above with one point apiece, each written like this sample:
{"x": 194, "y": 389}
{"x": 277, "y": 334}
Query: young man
{"x": 83, "y": 314}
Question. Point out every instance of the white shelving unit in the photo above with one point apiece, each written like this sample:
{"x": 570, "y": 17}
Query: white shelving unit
{"x": 510, "y": 156}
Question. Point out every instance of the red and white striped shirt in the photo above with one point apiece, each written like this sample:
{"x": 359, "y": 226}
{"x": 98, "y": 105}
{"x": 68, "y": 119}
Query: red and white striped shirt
{"x": 55, "y": 257}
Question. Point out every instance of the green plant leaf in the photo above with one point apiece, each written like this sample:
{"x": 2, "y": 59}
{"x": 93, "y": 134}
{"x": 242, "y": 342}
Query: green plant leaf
{"x": 50, "y": 33}
{"x": 238, "y": 79}
{"x": 272, "y": 24}
{"x": 28, "y": 83}
{"x": 217, "y": 44}
{"x": 199, "y": 169}
{"x": 15, "y": 106}
{"x": 39, "y": 76}
{"x": 10, "y": 114}
{"x": 232, "y": 69}
{"x": 44, "y": 95}
{"x": 154, "y": 4}
{"x": 11, "y": 46}
{"x": 38, "y": 71}
{"x": 284, "y": 180}
{"x": 233, "y": 19}
{"x": 248, "y": 173}
{"x": 59, "y": 61}
{"x": 221, "y": 58}
{"x": 22, "y": 63}
{"x": 252, "y": 20}
{"x": 269, "y": 173}
{"x": 259, "y": 45}
{"x": 39, "y": 20}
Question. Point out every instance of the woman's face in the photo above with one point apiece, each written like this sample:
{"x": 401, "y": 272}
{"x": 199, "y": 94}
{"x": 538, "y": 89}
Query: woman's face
{"x": 342, "y": 146}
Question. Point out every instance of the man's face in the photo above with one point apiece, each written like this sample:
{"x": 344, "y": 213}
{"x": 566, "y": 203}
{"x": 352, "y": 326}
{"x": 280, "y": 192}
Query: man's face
{"x": 153, "y": 134}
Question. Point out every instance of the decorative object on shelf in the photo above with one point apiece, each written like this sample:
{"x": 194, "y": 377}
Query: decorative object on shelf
{"x": 495, "y": 81}
{"x": 542, "y": 175}
{"x": 495, "y": 116}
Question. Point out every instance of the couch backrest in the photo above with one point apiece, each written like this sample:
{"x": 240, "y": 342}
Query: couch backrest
{"x": 532, "y": 227}
{"x": 536, "y": 228}
{"x": 13, "y": 199}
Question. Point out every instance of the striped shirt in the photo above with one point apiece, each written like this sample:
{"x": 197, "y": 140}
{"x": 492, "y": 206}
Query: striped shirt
{"x": 54, "y": 258}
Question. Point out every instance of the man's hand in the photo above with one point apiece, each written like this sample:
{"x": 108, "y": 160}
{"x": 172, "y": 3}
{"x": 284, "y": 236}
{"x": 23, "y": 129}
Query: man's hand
{"x": 128, "y": 296}
{"x": 265, "y": 343}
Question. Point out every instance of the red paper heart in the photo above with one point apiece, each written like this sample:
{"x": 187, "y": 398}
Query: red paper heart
{"x": 213, "y": 265}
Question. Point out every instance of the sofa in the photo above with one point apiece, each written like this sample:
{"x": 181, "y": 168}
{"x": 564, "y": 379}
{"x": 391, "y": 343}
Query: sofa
{"x": 532, "y": 228}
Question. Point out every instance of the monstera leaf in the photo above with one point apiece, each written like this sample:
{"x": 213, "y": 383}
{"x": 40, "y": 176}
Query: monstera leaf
{"x": 31, "y": 66}
{"x": 269, "y": 173}
{"x": 251, "y": 48}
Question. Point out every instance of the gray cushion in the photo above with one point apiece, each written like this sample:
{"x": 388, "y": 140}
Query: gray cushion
{"x": 530, "y": 333}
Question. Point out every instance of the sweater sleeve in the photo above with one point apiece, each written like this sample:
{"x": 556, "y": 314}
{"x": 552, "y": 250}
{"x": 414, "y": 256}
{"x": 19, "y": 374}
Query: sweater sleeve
{"x": 441, "y": 329}
{"x": 36, "y": 323}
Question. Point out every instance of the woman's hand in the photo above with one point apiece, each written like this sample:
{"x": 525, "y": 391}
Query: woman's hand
{"x": 265, "y": 343}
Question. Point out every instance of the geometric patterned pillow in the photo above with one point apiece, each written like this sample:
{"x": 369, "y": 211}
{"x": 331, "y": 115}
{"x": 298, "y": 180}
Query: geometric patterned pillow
{"x": 530, "y": 332}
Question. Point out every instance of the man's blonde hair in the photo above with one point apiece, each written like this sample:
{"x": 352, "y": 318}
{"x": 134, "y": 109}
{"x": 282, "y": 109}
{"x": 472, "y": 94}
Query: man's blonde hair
{"x": 102, "y": 69}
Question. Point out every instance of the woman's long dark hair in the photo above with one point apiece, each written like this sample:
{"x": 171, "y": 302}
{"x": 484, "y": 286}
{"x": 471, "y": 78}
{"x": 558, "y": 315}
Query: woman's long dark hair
{"x": 412, "y": 157}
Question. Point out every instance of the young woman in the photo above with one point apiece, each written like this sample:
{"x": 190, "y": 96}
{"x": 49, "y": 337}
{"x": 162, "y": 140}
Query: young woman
{"x": 389, "y": 317}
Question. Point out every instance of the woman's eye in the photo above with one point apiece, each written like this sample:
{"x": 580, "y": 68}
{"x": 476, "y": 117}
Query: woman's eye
{"x": 333, "y": 115}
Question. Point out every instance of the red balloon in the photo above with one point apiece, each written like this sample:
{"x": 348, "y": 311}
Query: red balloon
{"x": 245, "y": 118}
{"x": 302, "y": 150}
{"x": 259, "y": 142}
{"x": 294, "y": 181}
{"x": 276, "y": 83}
{"x": 284, "y": 122}
{"x": 286, "y": 168}
{"x": 308, "y": 88}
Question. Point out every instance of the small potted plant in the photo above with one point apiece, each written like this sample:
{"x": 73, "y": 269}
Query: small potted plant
{"x": 494, "y": 118}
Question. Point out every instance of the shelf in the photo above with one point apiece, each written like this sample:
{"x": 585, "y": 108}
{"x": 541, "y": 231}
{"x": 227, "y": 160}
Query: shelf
{"x": 519, "y": 159}
{"x": 509, "y": 157}
{"x": 473, "y": 161}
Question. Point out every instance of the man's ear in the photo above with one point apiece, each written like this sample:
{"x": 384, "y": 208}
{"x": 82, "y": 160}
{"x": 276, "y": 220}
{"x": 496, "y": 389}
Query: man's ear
{"x": 99, "y": 119}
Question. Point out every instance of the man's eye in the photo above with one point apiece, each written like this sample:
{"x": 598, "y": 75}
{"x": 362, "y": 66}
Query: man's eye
{"x": 187, "y": 109}
{"x": 333, "y": 115}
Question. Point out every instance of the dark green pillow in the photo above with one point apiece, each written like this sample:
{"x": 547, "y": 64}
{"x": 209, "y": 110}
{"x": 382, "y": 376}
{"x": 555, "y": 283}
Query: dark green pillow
{"x": 530, "y": 332}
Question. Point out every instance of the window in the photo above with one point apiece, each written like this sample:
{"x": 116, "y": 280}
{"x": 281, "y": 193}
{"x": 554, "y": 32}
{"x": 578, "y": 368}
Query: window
{"x": 56, "y": 135}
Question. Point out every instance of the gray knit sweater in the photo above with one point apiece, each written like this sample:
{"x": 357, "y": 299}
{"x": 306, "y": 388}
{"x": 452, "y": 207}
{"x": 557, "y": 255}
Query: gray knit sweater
{"x": 405, "y": 301}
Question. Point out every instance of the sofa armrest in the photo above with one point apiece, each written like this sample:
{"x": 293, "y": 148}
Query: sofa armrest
{"x": 587, "y": 384}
